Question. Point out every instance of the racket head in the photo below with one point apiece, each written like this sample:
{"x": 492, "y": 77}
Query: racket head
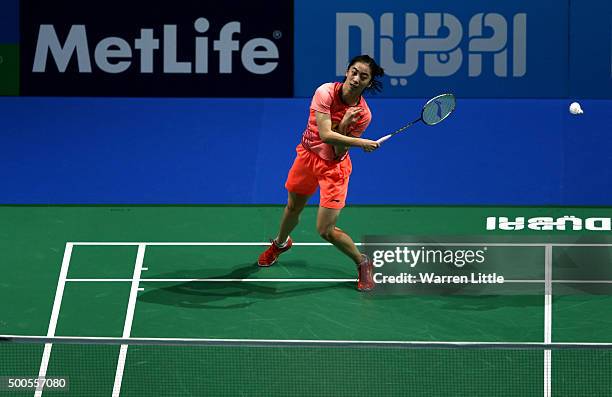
{"x": 438, "y": 108}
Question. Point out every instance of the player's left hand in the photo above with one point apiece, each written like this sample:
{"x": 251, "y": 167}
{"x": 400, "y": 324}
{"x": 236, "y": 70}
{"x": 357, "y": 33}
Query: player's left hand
{"x": 352, "y": 115}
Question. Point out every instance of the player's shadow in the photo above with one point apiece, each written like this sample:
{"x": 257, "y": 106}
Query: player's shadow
{"x": 468, "y": 297}
{"x": 459, "y": 301}
{"x": 228, "y": 294}
{"x": 582, "y": 263}
{"x": 491, "y": 302}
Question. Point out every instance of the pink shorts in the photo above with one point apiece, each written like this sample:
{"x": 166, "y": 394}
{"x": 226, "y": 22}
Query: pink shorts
{"x": 310, "y": 171}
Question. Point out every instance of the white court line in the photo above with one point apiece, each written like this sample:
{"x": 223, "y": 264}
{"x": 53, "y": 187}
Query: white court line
{"x": 548, "y": 320}
{"x": 582, "y": 281}
{"x": 548, "y": 280}
{"x": 129, "y": 317}
{"x": 207, "y": 244}
{"x": 57, "y": 303}
{"x": 265, "y": 280}
{"x": 299, "y": 280}
{"x": 266, "y": 243}
{"x": 135, "y": 340}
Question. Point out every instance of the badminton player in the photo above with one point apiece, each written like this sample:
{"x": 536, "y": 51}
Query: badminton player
{"x": 338, "y": 117}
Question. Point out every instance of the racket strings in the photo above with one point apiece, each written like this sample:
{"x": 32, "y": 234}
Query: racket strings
{"x": 438, "y": 108}
{"x": 435, "y": 110}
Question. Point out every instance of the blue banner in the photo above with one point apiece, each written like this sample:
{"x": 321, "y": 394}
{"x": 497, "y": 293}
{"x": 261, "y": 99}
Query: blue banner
{"x": 474, "y": 48}
{"x": 590, "y": 47}
{"x": 201, "y": 151}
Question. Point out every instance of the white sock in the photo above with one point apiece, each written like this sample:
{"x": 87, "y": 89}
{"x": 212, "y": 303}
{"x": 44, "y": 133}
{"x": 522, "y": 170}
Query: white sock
{"x": 283, "y": 245}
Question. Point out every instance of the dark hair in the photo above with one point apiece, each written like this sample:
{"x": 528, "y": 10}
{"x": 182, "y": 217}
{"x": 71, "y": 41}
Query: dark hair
{"x": 375, "y": 85}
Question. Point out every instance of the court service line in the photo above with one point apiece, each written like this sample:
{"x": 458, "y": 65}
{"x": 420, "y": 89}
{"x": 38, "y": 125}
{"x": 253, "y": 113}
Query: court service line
{"x": 281, "y": 280}
{"x": 548, "y": 320}
{"x": 129, "y": 317}
{"x": 300, "y": 280}
{"x": 266, "y": 243}
{"x": 57, "y": 303}
{"x": 247, "y": 280}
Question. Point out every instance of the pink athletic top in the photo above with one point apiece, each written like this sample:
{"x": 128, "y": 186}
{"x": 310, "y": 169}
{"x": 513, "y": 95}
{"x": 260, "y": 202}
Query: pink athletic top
{"x": 327, "y": 99}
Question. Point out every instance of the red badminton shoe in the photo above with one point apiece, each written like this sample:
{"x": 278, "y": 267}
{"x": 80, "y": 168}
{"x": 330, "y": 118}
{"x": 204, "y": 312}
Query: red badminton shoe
{"x": 365, "y": 281}
{"x": 269, "y": 256}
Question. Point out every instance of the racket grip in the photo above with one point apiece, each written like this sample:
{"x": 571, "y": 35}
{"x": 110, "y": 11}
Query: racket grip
{"x": 384, "y": 138}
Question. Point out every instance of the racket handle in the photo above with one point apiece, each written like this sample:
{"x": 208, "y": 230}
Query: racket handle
{"x": 384, "y": 138}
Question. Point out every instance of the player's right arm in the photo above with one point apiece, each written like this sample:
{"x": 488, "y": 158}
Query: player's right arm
{"x": 328, "y": 136}
{"x": 351, "y": 116}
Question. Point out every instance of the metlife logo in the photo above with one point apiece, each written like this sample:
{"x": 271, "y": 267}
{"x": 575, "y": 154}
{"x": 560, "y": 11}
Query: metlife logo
{"x": 136, "y": 49}
{"x": 475, "y": 48}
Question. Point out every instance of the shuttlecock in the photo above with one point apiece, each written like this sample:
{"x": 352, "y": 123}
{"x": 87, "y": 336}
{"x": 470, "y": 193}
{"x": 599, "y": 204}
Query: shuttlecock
{"x": 575, "y": 108}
